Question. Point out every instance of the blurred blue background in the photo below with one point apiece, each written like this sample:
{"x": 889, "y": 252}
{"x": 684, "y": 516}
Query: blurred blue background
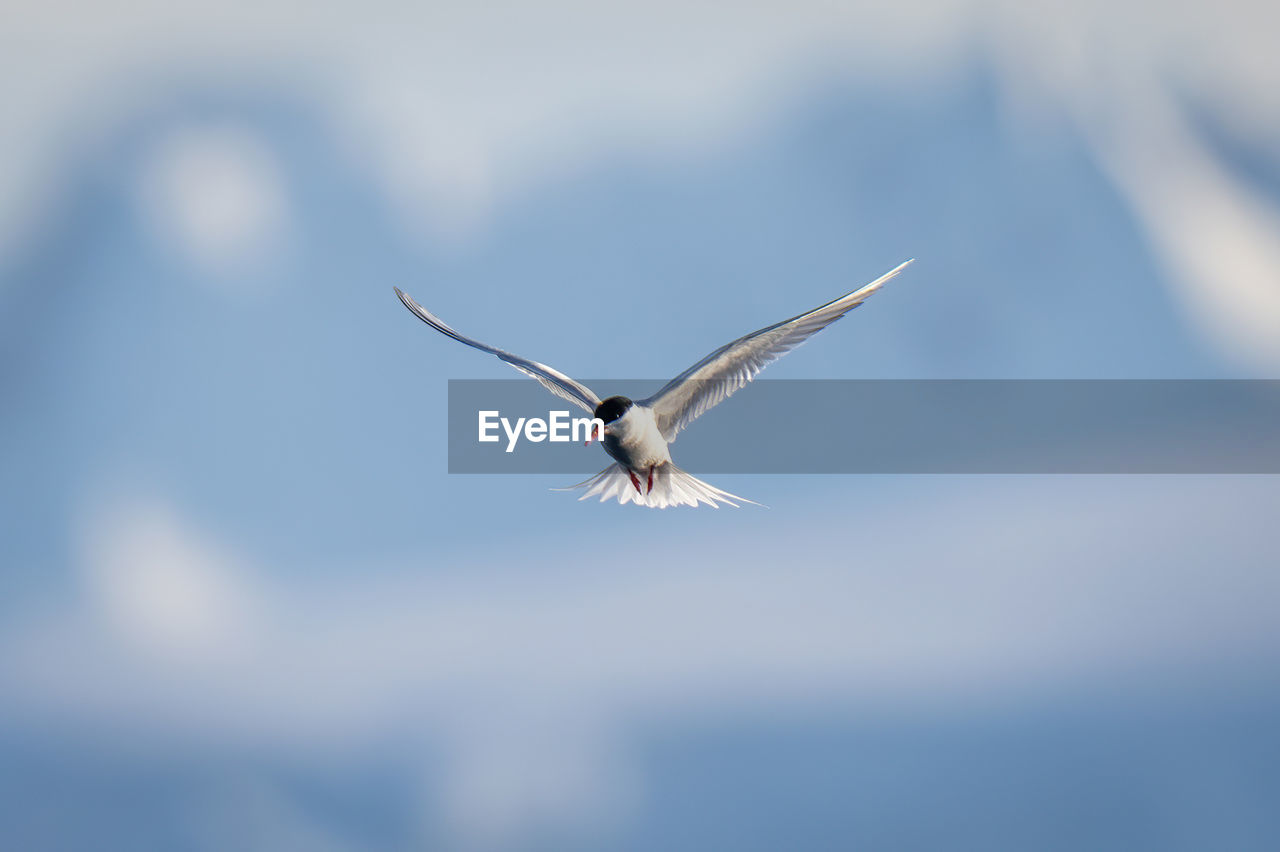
{"x": 244, "y": 607}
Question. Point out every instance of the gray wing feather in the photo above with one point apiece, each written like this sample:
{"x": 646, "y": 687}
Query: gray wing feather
{"x": 716, "y": 377}
{"x": 553, "y": 380}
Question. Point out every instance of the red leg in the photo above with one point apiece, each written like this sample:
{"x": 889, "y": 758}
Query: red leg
{"x": 634, "y": 481}
{"x": 650, "y": 491}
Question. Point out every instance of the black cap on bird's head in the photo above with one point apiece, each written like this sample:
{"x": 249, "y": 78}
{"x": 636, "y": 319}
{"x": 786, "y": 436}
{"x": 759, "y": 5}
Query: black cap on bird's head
{"x": 612, "y": 408}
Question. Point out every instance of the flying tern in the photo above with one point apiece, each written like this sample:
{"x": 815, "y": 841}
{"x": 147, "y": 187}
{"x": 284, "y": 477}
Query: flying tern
{"x": 638, "y": 433}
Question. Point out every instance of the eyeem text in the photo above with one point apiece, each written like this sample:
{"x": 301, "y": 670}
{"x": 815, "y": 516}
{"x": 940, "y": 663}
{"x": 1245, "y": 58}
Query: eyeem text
{"x": 557, "y": 428}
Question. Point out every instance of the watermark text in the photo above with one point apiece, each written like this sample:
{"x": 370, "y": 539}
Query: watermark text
{"x": 557, "y": 428}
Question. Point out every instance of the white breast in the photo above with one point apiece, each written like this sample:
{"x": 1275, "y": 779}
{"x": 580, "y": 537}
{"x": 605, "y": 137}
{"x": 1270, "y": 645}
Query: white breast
{"x": 634, "y": 439}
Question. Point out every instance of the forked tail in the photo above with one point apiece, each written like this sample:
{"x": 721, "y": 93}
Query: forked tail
{"x": 671, "y": 487}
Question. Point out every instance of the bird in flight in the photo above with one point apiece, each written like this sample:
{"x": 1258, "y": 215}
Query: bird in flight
{"x": 638, "y": 433}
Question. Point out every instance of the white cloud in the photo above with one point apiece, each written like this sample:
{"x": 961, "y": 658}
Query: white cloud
{"x": 514, "y": 770}
{"x": 1123, "y": 72}
{"x": 163, "y": 589}
{"x": 217, "y": 193}
{"x": 460, "y": 105}
{"x": 530, "y": 682}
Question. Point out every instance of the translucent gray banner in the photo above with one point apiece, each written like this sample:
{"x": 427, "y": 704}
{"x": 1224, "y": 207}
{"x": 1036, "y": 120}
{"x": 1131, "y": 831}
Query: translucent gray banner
{"x": 919, "y": 426}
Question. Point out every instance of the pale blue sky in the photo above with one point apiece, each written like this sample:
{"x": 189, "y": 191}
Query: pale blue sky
{"x": 246, "y": 605}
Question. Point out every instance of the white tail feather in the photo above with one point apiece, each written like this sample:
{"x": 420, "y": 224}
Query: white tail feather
{"x": 671, "y": 487}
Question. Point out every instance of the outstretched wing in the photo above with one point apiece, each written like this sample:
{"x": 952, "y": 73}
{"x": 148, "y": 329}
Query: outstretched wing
{"x": 553, "y": 380}
{"x": 715, "y": 378}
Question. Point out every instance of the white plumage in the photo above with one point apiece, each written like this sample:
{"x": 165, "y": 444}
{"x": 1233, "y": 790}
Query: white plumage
{"x": 638, "y": 434}
{"x": 671, "y": 487}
